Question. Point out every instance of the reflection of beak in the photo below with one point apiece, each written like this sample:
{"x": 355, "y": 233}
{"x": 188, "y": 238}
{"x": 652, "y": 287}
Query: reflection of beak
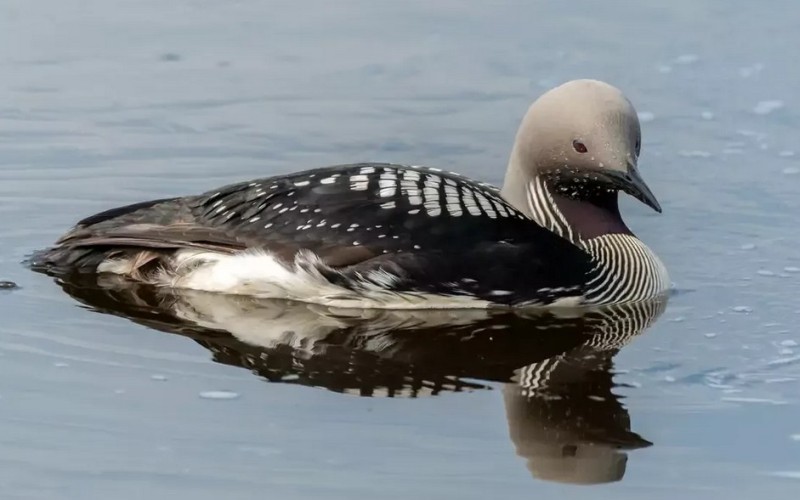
{"x": 632, "y": 183}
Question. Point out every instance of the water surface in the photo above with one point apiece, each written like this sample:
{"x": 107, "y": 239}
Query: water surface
{"x": 106, "y": 102}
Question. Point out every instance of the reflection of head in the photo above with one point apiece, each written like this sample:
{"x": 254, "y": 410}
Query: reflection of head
{"x": 568, "y": 447}
{"x": 563, "y": 417}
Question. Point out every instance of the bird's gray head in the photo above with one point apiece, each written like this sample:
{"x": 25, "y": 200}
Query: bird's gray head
{"x": 584, "y": 138}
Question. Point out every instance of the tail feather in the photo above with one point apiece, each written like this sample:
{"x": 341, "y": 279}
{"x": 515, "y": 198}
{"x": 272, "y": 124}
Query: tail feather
{"x": 136, "y": 263}
{"x": 93, "y": 244}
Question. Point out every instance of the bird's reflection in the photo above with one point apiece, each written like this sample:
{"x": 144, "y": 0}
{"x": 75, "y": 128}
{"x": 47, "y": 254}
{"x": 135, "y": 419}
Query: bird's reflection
{"x": 555, "y": 368}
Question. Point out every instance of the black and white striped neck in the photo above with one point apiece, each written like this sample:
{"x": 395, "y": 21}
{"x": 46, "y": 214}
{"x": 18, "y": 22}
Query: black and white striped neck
{"x": 577, "y": 217}
{"x": 626, "y": 269}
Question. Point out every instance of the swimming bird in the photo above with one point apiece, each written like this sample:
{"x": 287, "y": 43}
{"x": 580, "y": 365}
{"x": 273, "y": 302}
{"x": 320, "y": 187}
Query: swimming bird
{"x": 380, "y": 235}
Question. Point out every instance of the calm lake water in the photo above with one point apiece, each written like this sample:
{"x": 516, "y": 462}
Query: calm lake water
{"x": 107, "y": 102}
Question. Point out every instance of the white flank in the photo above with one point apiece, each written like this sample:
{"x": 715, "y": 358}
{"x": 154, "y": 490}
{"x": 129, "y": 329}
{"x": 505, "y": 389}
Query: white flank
{"x": 260, "y": 274}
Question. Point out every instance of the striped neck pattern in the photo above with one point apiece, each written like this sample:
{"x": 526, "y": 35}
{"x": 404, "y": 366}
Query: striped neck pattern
{"x": 625, "y": 270}
{"x": 545, "y": 212}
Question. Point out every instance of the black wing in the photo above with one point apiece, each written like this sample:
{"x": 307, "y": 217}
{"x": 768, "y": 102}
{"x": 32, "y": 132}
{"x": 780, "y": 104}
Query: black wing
{"x": 439, "y": 231}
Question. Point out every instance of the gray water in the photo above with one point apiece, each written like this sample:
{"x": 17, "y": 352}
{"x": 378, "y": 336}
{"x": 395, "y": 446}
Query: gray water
{"x": 107, "y": 102}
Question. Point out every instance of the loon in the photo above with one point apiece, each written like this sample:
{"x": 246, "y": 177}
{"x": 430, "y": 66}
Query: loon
{"x": 390, "y": 236}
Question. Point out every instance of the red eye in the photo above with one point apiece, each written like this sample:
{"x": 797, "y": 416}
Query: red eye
{"x": 579, "y": 146}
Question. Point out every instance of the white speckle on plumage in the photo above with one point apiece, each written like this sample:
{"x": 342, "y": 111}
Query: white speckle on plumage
{"x": 268, "y": 225}
{"x": 359, "y": 186}
{"x": 387, "y": 184}
{"x": 293, "y": 208}
{"x": 327, "y": 180}
{"x": 354, "y": 224}
{"x": 414, "y": 211}
{"x": 410, "y": 175}
{"x": 290, "y": 193}
{"x": 321, "y": 224}
{"x": 218, "y": 202}
{"x": 304, "y": 210}
{"x": 334, "y": 226}
{"x": 367, "y": 170}
{"x": 430, "y": 193}
{"x": 500, "y": 293}
{"x": 485, "y": 205}
{"x": 277, "y": 206}
{"x": 454, "y": 209}
{"x": 500, "y": 208}
{"x": 395, "y": 237}
{"x": 471, "y": 203}
{"x": 432, "y": 205}
{"x": 317, "y": 210}
{"x": 221, "y": 208}
{"x": 380, "y": 236}
{"x": 355, "y": 243}
{"x": 282, "y": 210}
{"x": 255, "y": 219}
{"x": 416, "y": 247}
{"x": 274, "y": 186}
{"x": 302, "y": 183}
{"x": 432, "y": 182}
{"x": 350, "y": 229}
{"x": 433, "y": 209}
{"x": 388, "y": 205}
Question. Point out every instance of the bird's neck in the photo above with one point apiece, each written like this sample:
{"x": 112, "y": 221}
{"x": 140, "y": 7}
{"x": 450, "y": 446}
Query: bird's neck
{"x": 574, "y": 216}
